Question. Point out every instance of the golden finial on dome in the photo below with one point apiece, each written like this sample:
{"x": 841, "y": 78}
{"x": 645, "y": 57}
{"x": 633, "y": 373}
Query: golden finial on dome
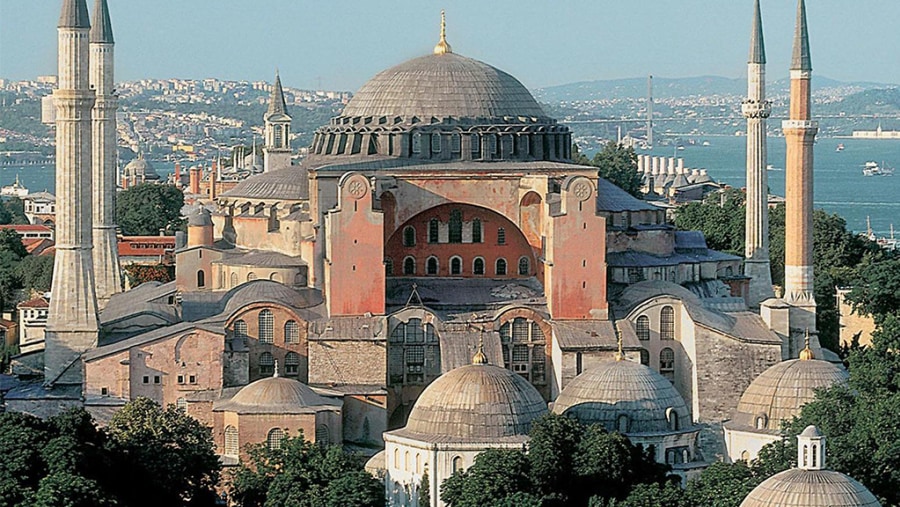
{"x": 479, "y": 357}
{"x": 442, "y": 46}
{"x": 620, "y": 355}
{"x": 806, "y": 354}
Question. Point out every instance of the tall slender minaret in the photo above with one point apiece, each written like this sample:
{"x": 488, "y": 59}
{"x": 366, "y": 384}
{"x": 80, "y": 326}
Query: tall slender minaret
{"x": 277, "y": 152}
{"x": 799, "y": 132}
{"x": 107, "y": 274}
{"x": 756, "y": 109}
{"x": 72, "y": 322}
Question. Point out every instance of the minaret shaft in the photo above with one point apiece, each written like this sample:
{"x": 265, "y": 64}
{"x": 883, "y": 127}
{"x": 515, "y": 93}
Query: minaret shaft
{"x": 72, "y": 325}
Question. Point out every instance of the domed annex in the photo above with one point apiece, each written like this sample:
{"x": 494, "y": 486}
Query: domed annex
{"x": 810, "y": 484}
{"x": 276, "y": 395}
{"x": 778, "y": 394}
{"x": 138, "y": 171}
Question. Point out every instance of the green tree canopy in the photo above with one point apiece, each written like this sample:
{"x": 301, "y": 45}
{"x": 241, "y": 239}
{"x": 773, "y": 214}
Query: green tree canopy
{"x": 36, "y": 272}
{"x": 615, "y": 163}
{"x": 144, "y": 209}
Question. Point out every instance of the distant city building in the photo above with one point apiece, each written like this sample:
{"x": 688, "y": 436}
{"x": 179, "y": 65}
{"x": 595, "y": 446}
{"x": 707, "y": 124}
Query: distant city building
{"x": 40, "y": 208}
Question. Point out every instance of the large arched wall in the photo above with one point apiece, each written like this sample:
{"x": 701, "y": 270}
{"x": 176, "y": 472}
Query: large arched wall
{"x": 490, "y": 249}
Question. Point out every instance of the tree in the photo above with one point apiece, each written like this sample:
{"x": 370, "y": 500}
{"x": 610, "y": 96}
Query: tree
{"x": 11, "y": 242}
{"x": 145, "y": 209}
{"x": 36, "y": 272}
{"x": 722, "y": 485}
{"x": 9, "y": 278}
{"x": 617, "y": 164}
{"x": 172, "y": 453}
{"x": 21, "y": 468}
{"x": 667, "y": 494}
{"x": 496, "y": 477}
{"x": 302, "y": 474}
{"x": 552, "y": 448}
{"x": 139, "y": 273}
{"x": 876, "y": 289}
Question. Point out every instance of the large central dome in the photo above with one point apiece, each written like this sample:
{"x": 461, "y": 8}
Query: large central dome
{"x": 441, "y": 86}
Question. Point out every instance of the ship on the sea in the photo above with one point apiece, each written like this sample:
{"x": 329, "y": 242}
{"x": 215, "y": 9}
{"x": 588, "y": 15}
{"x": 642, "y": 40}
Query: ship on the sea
{"x": 15, "y": 190}
{"x": 840, "y": 147}
{"x": 873, "y": 169}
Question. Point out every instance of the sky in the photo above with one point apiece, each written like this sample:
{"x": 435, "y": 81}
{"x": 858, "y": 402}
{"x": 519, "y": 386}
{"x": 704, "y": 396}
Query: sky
{"x": 340, "y": 44}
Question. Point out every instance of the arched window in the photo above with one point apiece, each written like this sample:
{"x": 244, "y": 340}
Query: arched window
{"x": 431, "y": 266}
{"x": 455, "y": 142}
{"x": 745, "y": 456}
{"x": 476, "y": 230}
{"x": 524, "y": 266}
{"x": 388, "y": 266}
{"x": 672, "y": 418}
{"x": 457, "y": 464}
{"x": 234, "y": 279}
{"x": 642, "y": 327}
{"x": 622, "y": 423}
{"x": 501, "y": 236}
{"x": 274, "y": 438}
{"x": 416, "y": 142}
{"x": 418, "y": 463}
{"x": 476, "y": 145}
{"x": 266, "y": 325}
{"x": 433, "y": 230}
{"x": 181, "y": 404}
{"x": 251, "y": 276}
{"x": 414, "y": 353}
{"x": 435, "y": 143}
{"x": 240, "y": 331}
{"x": 455, "y": 225}
{"x": 478, "y": 266}
{"x": 323, "y": 436}
{"x": 805, "y": 456}
{"x": 275, "y": 277}
{"x": 266, "y": 364}
{"x": 406, "y": 461}
{"x": 201, "y": 278}
{"x": 761, "y": 422}
{"x": 397, "y": 458}
{"x": 291, "y": 363}
{"x": 645, "y": 357}
{"x": 409, "y": 236}
{"x": 291, "y": 332}
{"x": 500, "y": 268}
{"x": 667, "y": 363}
{"x": 667, "y": 323}
{"x": 524, "y": 349}
{"x": 409, "y": 266}
{"x": 232, "y": 444}
{"x": 455, "y": 266}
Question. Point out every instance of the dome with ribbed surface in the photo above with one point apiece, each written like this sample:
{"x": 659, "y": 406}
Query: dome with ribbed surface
{"x": 276, "y": 395}
{"x": 140, "y": 168}
{"x": 475, "y": 403}
{"x": 623, "y": 388}
{"x": 442, "y": 86}
{"x": 781, "y": 391}
{"x": 810, "y": 488}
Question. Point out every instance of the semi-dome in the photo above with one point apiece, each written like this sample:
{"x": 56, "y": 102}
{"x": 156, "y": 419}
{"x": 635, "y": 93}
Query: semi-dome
{"x": 614, "y": 389}
{"x": 442, "y": 86}
{"x": 780, "y": 392}
{"x": 276, "y": 395}
{"x": 476, "y": 403}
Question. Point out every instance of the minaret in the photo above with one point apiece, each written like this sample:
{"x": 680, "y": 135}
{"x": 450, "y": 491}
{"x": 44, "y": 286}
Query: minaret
{"x": 756, "y": 109}
{"x": 277, "y": 152}
{"x": 799, "y": 132}
{"x": 72, "y": 322}
{"x": 107, "y": 274}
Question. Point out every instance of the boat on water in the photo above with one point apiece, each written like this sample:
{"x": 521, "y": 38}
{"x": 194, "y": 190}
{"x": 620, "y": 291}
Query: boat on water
{"x": 15, "y": 190}
{"x": 840, "y": 147}
{"x": 873, "y": 169}
{"x": 770, "y": 167}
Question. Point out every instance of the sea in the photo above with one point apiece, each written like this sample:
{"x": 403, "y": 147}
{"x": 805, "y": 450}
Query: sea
{"x": 840, "y": 186}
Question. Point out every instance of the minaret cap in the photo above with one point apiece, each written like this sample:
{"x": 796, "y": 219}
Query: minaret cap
{"x": 806, "y": 354}
{"x": 801, "y": 59}
{"x": 101, "y": 27}
{"x": 74, "y": 14}
{"x": 442, "y": 46}
{"x": 757, "y": 44}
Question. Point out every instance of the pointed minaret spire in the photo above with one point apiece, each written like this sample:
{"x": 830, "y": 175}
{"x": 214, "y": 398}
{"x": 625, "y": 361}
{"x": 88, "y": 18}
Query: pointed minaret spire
{"x": 74, "y": 14}
{"x": 757, "y": 44}
{"x": 101, "y": 28}
{"x": 801, "y": 59}
{"x": 277, "y": 150}
{"x": 277, "y": 105}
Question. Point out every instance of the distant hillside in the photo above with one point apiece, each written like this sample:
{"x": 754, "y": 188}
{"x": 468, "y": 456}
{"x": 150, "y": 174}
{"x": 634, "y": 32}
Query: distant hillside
{"x": 678, "y": 87}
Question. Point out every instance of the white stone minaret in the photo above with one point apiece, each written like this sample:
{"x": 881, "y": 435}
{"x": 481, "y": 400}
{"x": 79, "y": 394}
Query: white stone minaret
{"x": 277, "y": 152}
{"x": 72, "y": 323}
{"x": 756, "y": 109}
{"x": 799, "y": 133}
{"x": 107, "y": 275}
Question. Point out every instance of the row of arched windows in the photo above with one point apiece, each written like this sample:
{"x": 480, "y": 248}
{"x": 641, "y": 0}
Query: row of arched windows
{"x": 266, "y": 324}
{"x": 432, "y": 266}
{"x": 414, "y": 354}
{"x": 666, "y": 362}
{"x": 666, "y": 325}
{"x": 235, "y": 279}
{"x": 524, "y": 349}
{"x": 267, "y": 363}
{"x": 454, "y": 233}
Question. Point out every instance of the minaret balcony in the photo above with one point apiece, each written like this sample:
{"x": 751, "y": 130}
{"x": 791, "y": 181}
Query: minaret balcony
{"x": 756, "y": 108}
{"x": 800, "y": 125}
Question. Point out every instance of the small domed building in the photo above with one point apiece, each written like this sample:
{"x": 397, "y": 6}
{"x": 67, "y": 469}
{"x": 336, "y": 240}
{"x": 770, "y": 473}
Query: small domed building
{"x": 459, "y": 415}
{"x": 777, "y": 395}
{"x": 269, "y": 410}
{"x": 139, "y": 171}
{"x": 638, "y": 402}
{"x": 810, "y": 484}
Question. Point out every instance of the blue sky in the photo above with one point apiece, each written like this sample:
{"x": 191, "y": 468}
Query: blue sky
{"x": 342, "y": 43}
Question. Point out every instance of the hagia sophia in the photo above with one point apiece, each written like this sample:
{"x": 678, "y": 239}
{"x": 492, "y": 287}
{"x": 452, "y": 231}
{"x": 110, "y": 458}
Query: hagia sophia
{"x": 433, "y": 277}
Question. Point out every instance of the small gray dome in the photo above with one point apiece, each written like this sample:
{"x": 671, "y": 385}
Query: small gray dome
{"x": 810, "y": 488}
{"x": 289, "y": 183}
{"x": 267, "y": 291}
{"x": 200, "y": 218}
{"x": 781, "y": 391}
{"x": 276, "y": 395}
{"x": 477, "y": 402}
{"x": 441, "y": 86}
{"x": 616, "y": 388}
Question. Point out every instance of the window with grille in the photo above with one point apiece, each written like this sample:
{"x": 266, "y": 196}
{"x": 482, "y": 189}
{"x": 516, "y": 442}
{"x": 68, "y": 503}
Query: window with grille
{"x": 266, "y": 364}
{"x": 645, "y": 357}
{"x": 476, "y": 230}
{"x": 524, "y": 266}
{"x": 409, "y": 266}
{"x": 455, "y": 225}
{"x": 291, "y": 363}
{"x": 476, "y": 145}
{"x": 455, "y": 143}
{"x": 291, "y": 332}
{"x": 455, "y": 266}
{"x": 251, "y": 276}
{"x": 667, "y": 323}
{"x": 431, "y": 266}
{"x": 642, "y": 327}
{"x": 409, "y": 236}
{"x": 414, "y": 353}
{"x": 524, "y": 349}
{"x": 635, "y": 275}
{"x": 181, "y": 404}
{"x": 266, "y": 325}
{"x": 478, "y": 266}
{"x": 501, "y": 236}
{"x": 667, "y": 363}
{"x": 232, "y": 445}
{"x": 435, "y": 143}
{"x": 416, "y": 142}
{"x": 274, "y": 438}
{"x": 240, "y": 331}
{"x": 323, "y": 436}
{"x": 433, "y": 230}
{"x": 234, "y": 279}
{"x": 500, "y": 268}
{"x": 388, "y": 266}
